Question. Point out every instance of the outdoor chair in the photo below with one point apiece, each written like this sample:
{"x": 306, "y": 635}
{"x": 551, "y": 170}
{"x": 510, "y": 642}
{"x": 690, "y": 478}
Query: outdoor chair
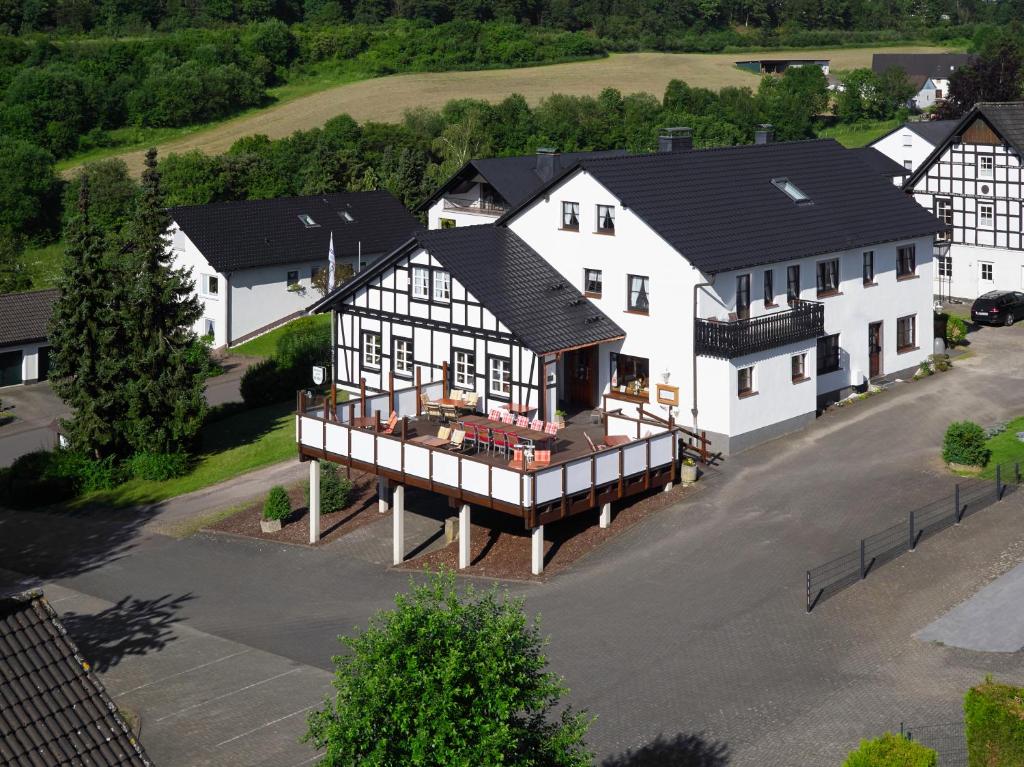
{"x": 454, "y": 394}
{"x": 444, "y": 433}
{"x": 449, "y": 413}
{"x": 433, "y": 410}
{"x": 472, "y": 436}
{"x": 536, "y": 425}
{"x": 523, "y": 422}
{"x": 551, "y": 428}
{"x": 508, "y": 417}
{"x": 594, "y": 448}
{"x": 494, "y": 415}
{"x": 502, "y": 441}
{"x": 483, "y": 438}
{"x": 541, "y": 459}
{"x": 517, "y": 461}
{"x": 458, "y": 442}
{"x": 472, "y": 399}
{"x": 389, "y": 428}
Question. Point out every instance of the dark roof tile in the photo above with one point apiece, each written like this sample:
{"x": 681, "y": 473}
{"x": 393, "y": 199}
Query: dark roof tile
{"x": 918, "y": 64}
{"x": 24, "y": 317}
{"x": 932, "y": 131}
{"x": 246, "y": 234}
{"x": 880, "y": 163}
{"x": 54, "y": 711}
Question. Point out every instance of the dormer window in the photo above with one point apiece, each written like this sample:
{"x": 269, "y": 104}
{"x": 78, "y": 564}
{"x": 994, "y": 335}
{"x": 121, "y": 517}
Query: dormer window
{"x": 307, "y": 221}
{"x": 347, "y": 217}
{"x": 792, "y": 191}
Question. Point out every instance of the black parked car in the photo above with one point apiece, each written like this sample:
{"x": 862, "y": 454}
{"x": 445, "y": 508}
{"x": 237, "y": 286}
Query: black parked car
{"x": 998, "y": 307}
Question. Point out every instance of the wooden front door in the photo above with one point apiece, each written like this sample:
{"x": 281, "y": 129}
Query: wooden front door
{"x": 581, "y": 377}
{"x": 875, "y": 349}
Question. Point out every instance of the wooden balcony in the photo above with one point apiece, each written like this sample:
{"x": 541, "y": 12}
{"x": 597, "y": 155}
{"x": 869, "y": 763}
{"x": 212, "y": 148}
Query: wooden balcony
{"x": 803, "y": 321}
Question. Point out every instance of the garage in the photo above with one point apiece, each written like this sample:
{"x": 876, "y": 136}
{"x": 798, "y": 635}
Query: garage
{"x": 10, "y": 367}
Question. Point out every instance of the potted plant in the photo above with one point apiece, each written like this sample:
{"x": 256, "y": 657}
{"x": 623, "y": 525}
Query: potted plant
{"x": 560, "y": 418}
{"x": 688, "y": 472}
{"x": 276, "y": 508}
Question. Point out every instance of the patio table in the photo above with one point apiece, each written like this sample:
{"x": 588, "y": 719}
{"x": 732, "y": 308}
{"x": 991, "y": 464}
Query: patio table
{"x": 616, "y": 440}
{"x": 531, "y": 434}
{"x": 429, "y": 441}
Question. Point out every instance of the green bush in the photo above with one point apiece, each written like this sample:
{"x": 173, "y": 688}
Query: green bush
{"x": 335, "y": 490}
{"x": 956, "y": 330}
{"x": 277, "y": 505}
{"x": 964, "y": 443}
{"x": 304, "y": 343}
{"x": 85, "y": 472}
{"x": 158, "y": 466}
{"x": 266, "y": 383}
{"x": 994, "y": 722}
{"x": 29, "y": 483}
{"x": 891, "y": 751}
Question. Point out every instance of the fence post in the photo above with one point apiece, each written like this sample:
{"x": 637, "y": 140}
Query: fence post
{"x": 808, "y": 591}
{"x": 999, "y": 482}
{"x": 956, "y": 504}
{"x": 1016, "y": 472}
{"x": 910, "y": 540}
{"x": 863, "y": 561}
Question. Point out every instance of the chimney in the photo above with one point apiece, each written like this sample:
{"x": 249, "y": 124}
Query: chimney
{"x": 765, "y": 134}
{"x": 675, "y": 140}
{"x": 548, "y": 163}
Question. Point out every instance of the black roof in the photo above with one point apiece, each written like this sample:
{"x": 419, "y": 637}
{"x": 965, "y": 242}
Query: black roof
{"x": 919, "y": 64}
{"x": 251, "y": 233}
{"x": 24, "y": 317}
{"x": 527, "y": 295}
{"x": 880, "y": 163}
{"x": 932, "y": 131}
{"x": 721, "y": 211}
{"x": 53, "y": 709}
{"x": 515, "y": 178}
{"x": 1006, "y": 118}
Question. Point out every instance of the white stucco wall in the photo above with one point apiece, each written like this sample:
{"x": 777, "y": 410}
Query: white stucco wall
{"x": 260, "y": 296}
{"x": 215, "y": 308}
{"x": 461, "y": 217}
{"x": 29, "y": 359}
{"x": 903, "y": 145}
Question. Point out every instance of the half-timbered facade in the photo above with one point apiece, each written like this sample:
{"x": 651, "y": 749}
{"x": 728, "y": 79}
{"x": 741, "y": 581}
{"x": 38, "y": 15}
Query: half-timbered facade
{"x": 972, "y": 183}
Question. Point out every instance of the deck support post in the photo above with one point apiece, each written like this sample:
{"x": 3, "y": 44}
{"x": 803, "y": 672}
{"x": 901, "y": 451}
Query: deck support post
{"x": 464, "y": 536}
{"x": 537, "y": 550}
{"x": 383, "y": 504}
{"x": 606, "y": 515}
{"x": 314, "y": 501}
{"x": 398, "y": 526}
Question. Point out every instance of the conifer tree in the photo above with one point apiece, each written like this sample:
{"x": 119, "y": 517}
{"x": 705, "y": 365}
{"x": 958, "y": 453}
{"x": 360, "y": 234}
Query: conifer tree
{"x": 85, "y": 358}
{"x": 164, "y": 386}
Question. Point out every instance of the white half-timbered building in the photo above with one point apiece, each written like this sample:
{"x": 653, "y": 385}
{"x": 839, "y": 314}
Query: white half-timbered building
{"x": 972, "y": 182}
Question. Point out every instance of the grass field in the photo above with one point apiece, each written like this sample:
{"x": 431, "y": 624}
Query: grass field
{"x": 44, "y": 264}
{"x": 232, "y": 446}
{"x": 266, "y": 345}
{"x": 858, "y": 134}
{"x": 1006, "y": 448}
{"x": 388, "y": 98}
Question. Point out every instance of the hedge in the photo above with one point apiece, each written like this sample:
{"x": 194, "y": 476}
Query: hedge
{"x": 994, "y": 723}
{"x": 964, "y": 443}
{"x": 277, "y": 505}
{"x": 891, "y": 751}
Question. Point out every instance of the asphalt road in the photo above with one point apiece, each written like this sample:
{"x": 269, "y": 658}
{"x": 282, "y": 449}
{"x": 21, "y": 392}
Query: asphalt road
{"x": 686, "y": 634}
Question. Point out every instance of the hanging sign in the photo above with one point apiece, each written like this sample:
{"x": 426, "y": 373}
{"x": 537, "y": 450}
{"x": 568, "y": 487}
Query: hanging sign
{"x": 318, "y": 374}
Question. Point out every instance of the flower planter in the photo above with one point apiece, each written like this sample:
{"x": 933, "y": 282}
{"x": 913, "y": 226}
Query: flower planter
{"x": 688, "y": 473}
{"x": 270, "y": 525}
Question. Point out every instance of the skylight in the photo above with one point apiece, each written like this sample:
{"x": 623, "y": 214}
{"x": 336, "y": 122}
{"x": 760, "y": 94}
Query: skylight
{"x": 792, "y": 191}
{"x": 348, "y": 217}
{"x": 307, "y": 220}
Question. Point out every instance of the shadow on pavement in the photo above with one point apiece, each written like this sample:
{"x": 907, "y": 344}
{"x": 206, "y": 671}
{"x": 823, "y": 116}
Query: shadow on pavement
{"x": 680, "y": 750}
{"x": 130, "y": 627}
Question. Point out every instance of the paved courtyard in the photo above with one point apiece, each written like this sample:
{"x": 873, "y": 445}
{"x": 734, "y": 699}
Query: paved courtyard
{"x": 688, "y": 631}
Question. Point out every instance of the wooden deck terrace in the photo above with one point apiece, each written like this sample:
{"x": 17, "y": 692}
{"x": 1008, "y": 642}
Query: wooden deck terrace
{"x": 576, "y": 481}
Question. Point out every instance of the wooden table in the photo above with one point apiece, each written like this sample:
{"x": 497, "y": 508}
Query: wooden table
{"x": 429, "y": 441}
{"x": 518, "y": 408}
{"x": 531, "y": 434}
{"x": 616, "y": 440}
{"x": 365, "y": 422}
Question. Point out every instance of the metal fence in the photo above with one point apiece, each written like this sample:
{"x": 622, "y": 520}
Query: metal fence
{"x": 947, "y": 740}
{"x": 968, "y": 497}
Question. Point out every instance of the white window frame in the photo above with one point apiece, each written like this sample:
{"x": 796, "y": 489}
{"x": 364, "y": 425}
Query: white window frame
{"x": 372, "y": 350}
{"x": 402, "y": 360}
{"x": 463, "y": 372}
{"x": 741, "y": 393}
{"x": 442, "y": 282}
{"x": 946, "y": 266}
{"x": 989, "y": 221}
{"x": 991, "y": 271}
{"x": 503, "y": 367}
{"x": 988, "y": 172}
{"x": 210, "y": 279}
{"x": 946, "y": 205}
{"x": 420, "y": 277}
{"x": 908, "y": 139}
{"x": 209, "y": 327}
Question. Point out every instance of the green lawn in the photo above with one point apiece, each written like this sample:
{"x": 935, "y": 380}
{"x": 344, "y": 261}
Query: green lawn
{"x": 858, "y": 134}
{"x": 266, "y": 345}
{"x": 232, "y": 446}
{"x": 310, "y": 80}
{"x": 44, "y": 264}
{"x": 1006, "y": 449}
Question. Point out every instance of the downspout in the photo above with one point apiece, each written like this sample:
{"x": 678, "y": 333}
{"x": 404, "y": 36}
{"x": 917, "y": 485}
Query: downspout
{"x": 698, "y": 286}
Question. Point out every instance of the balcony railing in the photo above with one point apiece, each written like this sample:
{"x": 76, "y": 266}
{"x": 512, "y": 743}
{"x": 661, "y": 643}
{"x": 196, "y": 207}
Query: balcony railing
{"x": 726, "y": 340}
{"x": 482, "y": 207}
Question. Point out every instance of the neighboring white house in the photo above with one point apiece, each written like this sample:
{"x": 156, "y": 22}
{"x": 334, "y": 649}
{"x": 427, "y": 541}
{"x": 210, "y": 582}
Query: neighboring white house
{"x": 911, "y": 143}
{"x": 972, "y": 182}
{"x": 748, "y": 286}
{"x": 24, "y": 349}
{"x": 253, "y": 261}
{"x": 481, "y": 190}
{"x": 929, "y": 72}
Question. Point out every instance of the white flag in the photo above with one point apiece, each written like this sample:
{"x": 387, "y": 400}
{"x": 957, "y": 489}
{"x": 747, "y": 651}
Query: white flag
{"x": 330, "y": 266}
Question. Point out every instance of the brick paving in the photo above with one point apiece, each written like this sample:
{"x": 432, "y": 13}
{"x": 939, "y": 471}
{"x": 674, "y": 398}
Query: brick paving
{"x": 685, "y": 634}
